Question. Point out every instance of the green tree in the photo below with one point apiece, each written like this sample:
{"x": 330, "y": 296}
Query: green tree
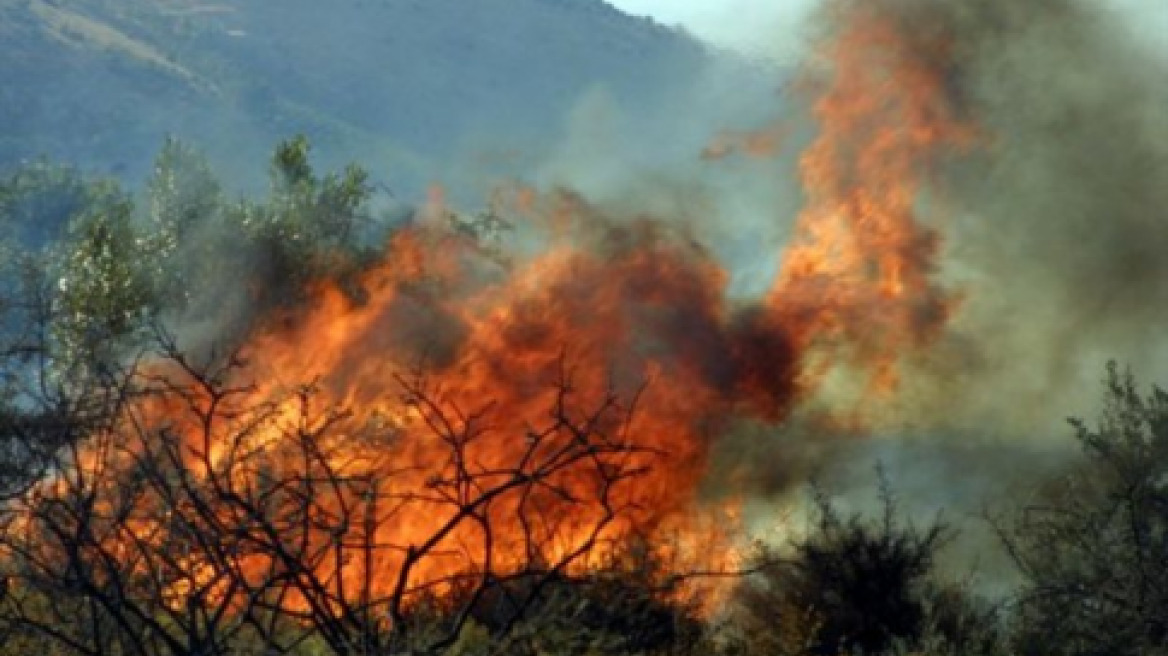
{"x": 184, "y": 201}
{"x": 1093, "y": 549}
{"x": 182, "y": 193}
{"x": 103, "y": 293}
{"x": 310, "y": 211}
{"x": 309, "y": 227}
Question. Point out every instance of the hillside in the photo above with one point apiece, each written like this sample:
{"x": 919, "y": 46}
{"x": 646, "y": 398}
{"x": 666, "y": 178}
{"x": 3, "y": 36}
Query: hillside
{"x": 401, "y": 84}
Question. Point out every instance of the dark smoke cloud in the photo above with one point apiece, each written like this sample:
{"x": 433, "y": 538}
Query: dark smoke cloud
{"x": 1056, "y": 238}
{"x": 1067, "y": 220}
{"x": 1059, "y": 219}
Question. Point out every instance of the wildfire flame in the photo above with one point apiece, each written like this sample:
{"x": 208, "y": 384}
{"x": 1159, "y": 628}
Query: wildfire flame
{"x": 617, "y": 329}
{"x": 861, "y": 268}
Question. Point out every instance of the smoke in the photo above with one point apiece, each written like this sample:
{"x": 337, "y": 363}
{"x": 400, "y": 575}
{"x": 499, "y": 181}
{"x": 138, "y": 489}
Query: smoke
{"x": 986, "y": 303}
{"x": 1053, "y": 239}
{"x": 1049, "y": 228}
{"x": 1057, "y": 235}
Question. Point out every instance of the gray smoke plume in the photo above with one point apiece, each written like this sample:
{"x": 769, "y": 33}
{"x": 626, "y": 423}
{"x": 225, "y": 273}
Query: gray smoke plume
{"x": 1055, "y": 230}
{"x": 1061, "y": 231}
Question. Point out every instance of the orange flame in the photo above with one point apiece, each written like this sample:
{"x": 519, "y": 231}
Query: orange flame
{"x": 626, "y": 315}
{"x": 860, "y": 273}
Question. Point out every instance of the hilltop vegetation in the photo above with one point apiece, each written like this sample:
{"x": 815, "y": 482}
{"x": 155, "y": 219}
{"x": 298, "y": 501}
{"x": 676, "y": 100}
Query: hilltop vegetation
{"x": 400, "y": 84}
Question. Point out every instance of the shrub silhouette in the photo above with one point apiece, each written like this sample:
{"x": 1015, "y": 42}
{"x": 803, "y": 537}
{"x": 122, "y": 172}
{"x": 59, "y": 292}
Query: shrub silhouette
{"x": 860, "y": 586}
{"x": 1093, "y": 547}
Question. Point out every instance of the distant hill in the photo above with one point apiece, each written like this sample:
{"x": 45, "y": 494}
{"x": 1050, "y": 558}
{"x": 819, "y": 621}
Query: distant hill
{"x": 402, "y": 84}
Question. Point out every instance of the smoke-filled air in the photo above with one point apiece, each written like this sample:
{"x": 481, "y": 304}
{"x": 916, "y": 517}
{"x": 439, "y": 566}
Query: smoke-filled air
{"x": 533, "y": 327}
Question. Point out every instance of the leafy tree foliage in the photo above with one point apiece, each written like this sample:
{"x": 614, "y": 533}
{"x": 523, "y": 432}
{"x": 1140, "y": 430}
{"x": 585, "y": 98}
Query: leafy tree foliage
{"x": 87, "y": 269}
{"x": 118, "y": 265}
{"x": 104, "y": 294}
{"x": 182, "y": 192}
{"x": 310, "y": 225}
{"x": 183, "y": 196}
{"x": 1093, "y": 550}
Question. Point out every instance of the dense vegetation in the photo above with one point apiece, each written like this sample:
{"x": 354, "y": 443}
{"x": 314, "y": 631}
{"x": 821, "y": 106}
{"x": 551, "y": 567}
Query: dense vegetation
{"x": 93, "y": 275}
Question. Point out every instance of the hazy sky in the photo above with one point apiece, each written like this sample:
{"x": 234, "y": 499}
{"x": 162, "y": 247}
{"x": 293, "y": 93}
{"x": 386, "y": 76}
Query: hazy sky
{"x": 768, "y": 27}
{"x": 773, "y": 27}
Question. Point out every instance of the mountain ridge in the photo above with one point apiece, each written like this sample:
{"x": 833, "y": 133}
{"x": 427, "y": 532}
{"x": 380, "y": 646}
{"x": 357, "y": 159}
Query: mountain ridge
{"x": 404, "y": 82}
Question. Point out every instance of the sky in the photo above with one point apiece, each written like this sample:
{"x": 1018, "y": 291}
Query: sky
{"x": 773, "y": 28}
{"x": 756, "y": 27}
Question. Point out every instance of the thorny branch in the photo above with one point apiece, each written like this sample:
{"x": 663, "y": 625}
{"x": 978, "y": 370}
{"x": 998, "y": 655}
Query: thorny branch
{"x": 199, "y": 516}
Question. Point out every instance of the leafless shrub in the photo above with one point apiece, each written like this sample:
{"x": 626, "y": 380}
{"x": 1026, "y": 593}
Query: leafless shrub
{"x": 171, "y": 527}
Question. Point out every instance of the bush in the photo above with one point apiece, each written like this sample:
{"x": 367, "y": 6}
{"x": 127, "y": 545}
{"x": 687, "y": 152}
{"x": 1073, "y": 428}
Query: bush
{"x": 854, "y": 586}
{"x": 1093, "y": 550}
